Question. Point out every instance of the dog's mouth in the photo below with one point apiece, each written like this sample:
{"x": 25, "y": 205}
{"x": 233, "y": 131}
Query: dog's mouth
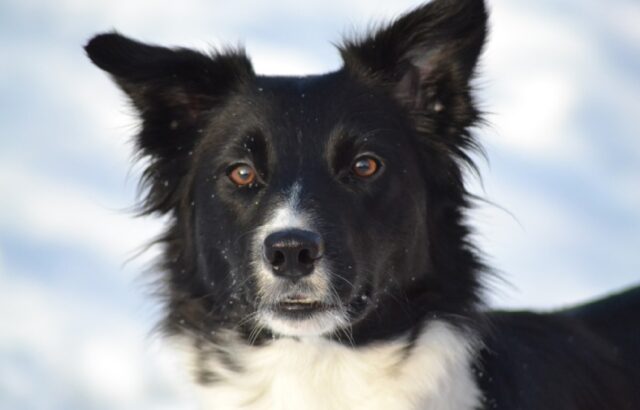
{"x": 299, "y": 306}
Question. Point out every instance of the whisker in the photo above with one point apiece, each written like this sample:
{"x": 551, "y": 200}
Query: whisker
{"x": 344, "y": 279}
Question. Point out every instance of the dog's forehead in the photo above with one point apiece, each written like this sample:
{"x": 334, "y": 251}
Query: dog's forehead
{"x": 317, "y": 97}
{"x": 321, "y": 105}
{"x": 310, "y": 117}
{"x": 298, "y": 86}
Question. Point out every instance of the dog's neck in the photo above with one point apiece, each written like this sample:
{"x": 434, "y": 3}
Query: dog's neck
{"x": 432, "y": 372}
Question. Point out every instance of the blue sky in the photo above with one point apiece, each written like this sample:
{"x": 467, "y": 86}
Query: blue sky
{"x": 560, "y": 78}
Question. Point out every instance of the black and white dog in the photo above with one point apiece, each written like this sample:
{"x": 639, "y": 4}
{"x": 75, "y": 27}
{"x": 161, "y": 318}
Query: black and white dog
{"x": 317, "y": 255}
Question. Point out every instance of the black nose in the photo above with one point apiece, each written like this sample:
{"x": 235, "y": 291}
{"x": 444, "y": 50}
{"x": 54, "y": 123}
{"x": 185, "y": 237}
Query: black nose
{"x": 293, "y": 253}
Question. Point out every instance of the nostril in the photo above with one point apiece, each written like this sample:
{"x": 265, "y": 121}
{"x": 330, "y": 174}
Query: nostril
{"x": 305, "y": 259}
{"x": 277, "y": 260}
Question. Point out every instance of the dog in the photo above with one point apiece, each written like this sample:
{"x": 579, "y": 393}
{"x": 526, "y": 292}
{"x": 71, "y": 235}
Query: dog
{"x": 317, "y": 254}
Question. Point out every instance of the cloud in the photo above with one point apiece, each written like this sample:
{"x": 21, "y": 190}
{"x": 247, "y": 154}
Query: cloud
{"x": 90, "y": 358}
{"x": 53, "y": 211}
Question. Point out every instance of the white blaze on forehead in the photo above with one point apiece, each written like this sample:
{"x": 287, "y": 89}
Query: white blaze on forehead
{"x": 294, "y": 195}
{"x": 288, "y": 214}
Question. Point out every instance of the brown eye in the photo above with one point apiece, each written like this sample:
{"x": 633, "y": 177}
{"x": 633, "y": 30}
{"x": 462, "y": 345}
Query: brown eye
{"x": 365, "y": 167}
{"x": 242, "y": 175}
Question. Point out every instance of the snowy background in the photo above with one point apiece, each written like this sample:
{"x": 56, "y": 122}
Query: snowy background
{"x": 560, "y": 77}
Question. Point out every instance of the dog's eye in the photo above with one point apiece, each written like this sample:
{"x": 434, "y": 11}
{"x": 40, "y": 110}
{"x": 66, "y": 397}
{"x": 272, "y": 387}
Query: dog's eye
{"x": 365, "y": 166}
{"x": 242, "y": 175}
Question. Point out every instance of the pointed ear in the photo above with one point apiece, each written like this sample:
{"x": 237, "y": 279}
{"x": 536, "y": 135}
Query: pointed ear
{"x": 175, "y": 91}
{"x": 424, "y": 55}
{"x": 171, "y": 89}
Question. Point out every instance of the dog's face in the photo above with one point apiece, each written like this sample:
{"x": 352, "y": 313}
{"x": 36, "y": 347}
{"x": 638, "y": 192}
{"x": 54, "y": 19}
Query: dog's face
{"x": 312, "y": 205}
{"x": 309, "y": 202}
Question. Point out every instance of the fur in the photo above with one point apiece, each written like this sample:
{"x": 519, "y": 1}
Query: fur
{"x": 342, "y": 273}
{"x": 314, "y": 373}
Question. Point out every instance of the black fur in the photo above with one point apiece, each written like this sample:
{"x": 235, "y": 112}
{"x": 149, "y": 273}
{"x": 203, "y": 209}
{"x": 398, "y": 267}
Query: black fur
{"x": 578, "y": 359}
{"x": 398, "y": 243}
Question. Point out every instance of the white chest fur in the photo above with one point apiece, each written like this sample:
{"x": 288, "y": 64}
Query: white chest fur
{"x": 319, "y": 374}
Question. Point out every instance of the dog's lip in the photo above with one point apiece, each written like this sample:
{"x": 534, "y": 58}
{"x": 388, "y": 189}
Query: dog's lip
{"x": 301, "y": 303}
{"x": 299, "y": 306}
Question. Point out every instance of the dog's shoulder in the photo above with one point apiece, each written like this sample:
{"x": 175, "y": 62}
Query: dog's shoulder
{"x": 552, "y": 361}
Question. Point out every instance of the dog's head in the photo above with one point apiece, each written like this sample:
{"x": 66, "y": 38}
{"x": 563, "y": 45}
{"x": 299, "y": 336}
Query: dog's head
{"x": 312, "y": 205}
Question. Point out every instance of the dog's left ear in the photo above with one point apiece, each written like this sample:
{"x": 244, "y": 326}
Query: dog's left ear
{"x": 425, "y": 55}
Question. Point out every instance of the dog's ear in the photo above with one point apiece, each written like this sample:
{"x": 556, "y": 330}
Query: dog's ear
{"x": 425, "y": 54}
{"x": 170, "y": 88}
{"x": 174, "y": 91}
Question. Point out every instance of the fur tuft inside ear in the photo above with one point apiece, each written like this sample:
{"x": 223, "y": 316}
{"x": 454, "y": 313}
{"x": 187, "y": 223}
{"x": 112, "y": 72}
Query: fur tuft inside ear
{"x": 424, "y": 52}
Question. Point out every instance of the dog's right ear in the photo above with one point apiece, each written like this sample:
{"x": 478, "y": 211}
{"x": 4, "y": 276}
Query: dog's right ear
{"x": 171, "y": 89}
{"x": 174, "y": 91}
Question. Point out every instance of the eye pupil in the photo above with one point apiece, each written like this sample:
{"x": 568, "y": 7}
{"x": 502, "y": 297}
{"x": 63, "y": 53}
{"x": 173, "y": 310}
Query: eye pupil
{"x": 244, "y": 173}
{"x": 363, "y": 165}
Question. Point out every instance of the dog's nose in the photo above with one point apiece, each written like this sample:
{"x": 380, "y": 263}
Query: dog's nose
{"x": 292, "y": 253}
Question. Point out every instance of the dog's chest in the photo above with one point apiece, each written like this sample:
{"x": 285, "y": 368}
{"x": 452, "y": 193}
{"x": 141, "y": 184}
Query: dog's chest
{"x": 316, "y": 374}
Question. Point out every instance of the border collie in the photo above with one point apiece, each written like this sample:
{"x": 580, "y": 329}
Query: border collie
{"x": 317, "y": 254}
